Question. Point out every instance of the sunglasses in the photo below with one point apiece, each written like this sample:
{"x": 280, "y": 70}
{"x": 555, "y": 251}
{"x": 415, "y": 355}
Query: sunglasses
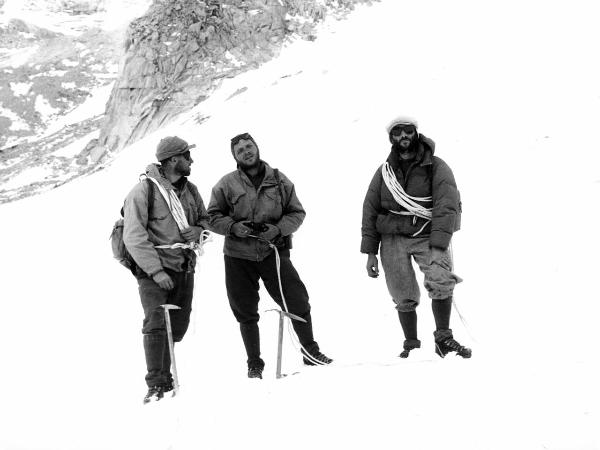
{"x": 407, "y": 128}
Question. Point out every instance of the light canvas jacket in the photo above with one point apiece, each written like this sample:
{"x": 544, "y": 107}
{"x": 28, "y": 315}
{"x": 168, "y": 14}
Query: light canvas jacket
{"x": 234, "y": 199}
{"x": 143, "y": 230}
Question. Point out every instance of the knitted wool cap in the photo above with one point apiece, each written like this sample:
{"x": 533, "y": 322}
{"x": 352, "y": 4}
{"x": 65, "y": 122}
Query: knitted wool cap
{"x": 402, "y": 120}
{"x": 171, "y": 146}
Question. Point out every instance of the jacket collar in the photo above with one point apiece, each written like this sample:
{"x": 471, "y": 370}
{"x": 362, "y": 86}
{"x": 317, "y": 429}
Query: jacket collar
{"x": 268, "y": 180}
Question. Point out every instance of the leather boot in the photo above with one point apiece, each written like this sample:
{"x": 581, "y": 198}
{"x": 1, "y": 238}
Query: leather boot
{"x": 445, "y": 343}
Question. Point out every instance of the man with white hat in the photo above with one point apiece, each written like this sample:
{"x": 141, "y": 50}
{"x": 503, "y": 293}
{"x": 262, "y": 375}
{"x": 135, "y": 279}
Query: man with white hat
{"x": 410, "y": 211}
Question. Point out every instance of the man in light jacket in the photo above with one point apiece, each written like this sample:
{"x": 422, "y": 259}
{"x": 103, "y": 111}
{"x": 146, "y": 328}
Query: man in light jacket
{"x": 253, "y": 206}
{"x": 164, "y": 275}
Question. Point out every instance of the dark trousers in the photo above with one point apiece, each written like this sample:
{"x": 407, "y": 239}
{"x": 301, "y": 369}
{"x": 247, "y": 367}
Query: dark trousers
{"x": 242, "y": 282}
{"x": 156, "y": 348}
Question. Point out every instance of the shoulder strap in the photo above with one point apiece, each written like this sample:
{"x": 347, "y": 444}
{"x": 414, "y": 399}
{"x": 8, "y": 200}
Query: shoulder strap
{"x": 150, "y": 195}
{"x": 284, "y": 203}
{"x": 150, "y": 198}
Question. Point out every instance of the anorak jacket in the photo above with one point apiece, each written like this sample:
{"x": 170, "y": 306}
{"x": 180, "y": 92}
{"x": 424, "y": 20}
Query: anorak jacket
{"x": 234, "y": 199}
{"x": 427, "y": 176}
{"x": 144, "y": 229}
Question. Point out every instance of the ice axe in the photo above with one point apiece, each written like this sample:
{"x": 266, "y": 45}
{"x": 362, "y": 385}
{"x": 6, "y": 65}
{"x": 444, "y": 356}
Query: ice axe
{"x": 291, "y": 316}
{"x": 167, "y": 307}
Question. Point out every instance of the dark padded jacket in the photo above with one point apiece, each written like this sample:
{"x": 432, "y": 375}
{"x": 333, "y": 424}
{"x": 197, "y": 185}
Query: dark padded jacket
{"x": 427, "y": 176}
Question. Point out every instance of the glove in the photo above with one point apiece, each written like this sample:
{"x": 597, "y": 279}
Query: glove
{"x": 240, "y": 230}
{"x": 191, "y": 234}
{"x": 270, "y": 233}
{"x": 440, "y": 257}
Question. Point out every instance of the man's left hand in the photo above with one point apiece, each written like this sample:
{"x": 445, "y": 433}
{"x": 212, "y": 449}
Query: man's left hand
{"x": 191, "y": 234}
{"x": 441, "y": 258}
{"x": 271, "y": 233}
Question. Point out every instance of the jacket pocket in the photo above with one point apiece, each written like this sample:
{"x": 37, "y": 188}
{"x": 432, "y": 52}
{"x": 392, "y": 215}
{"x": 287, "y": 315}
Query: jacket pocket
{"x": 386, "y": 224}
{"x": 269, "y": 209}
{"x": 236, "y": 197}
{"x": 161, "y": 217}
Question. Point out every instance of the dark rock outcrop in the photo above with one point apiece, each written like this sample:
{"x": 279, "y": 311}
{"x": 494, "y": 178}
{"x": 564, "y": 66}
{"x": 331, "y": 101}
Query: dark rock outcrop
{"x": 180, "y": 50}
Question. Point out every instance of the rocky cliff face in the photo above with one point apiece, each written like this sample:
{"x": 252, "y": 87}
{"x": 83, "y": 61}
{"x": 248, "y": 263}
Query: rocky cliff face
{"x": 59, "y": 59}
{"x": 179, "y": 52}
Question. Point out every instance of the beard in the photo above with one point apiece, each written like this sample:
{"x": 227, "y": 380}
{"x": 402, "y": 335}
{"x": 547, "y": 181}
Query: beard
{"x": 406, "y": 149}
{"x": 182, "y": 169}
{"x": 244, "y": 165}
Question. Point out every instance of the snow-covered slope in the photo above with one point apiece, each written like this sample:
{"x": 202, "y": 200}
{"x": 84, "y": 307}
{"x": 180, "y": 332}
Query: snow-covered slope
{"x": 509, "y": 94}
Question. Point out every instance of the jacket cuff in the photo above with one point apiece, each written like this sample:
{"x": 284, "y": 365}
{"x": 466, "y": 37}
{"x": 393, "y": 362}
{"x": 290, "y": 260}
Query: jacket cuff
{"x": 228, "y": 229}
{"x": 369, "y": 246}
{"x": 153, "y": 271}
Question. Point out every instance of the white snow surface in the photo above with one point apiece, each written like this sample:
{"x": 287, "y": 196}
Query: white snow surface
{"x": 509, "y": 93}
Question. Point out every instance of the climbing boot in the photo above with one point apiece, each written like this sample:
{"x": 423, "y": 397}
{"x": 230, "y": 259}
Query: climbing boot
{"x": 255, "y": 372}
{"x": 445, "y": 343}
{"x": 409, "y": 344}
{"x": 155, "y": 393}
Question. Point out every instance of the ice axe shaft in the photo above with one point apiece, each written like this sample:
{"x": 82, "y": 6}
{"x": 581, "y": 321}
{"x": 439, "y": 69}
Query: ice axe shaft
{"x": 166, "y": 308}
{"x": 282, "y": 314}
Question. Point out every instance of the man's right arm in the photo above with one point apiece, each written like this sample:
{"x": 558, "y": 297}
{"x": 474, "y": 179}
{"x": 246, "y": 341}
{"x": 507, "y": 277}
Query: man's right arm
{"x": 371, "y": 207}
{"x": 218, "y": 211}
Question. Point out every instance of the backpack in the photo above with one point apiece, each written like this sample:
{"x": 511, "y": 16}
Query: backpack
{"x": 282, "y": 242}
{"x": 119, "y": 250}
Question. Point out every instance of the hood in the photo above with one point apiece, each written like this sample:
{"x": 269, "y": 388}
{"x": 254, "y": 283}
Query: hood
{"x": 424, "y": 153}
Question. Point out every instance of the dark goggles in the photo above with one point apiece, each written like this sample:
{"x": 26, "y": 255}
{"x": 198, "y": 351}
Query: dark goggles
{"x": 241, "y": 137}
{"x": 408, "y": 128}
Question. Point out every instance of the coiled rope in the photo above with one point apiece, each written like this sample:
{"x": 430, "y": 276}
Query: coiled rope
{"x": 179, "y": 215}
{"x": 407, "y": 201}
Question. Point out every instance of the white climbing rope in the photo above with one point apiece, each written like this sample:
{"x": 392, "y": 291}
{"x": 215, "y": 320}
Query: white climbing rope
{"x": 407, "y": 201}
{"x": 294, "y": 338}
{"x": 462, "y": 319}
{"x": 179, "y": 215}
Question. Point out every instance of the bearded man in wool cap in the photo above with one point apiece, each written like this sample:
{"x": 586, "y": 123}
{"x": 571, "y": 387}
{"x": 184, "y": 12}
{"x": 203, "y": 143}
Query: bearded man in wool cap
{"x": 410, "y": 212}
{"x": 164, "y": 219}
{"x": 256, "y": 207}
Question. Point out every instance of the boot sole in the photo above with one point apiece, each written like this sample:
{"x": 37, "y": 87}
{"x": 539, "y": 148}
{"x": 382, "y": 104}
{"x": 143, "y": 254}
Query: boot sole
{"x": 442, "y": 354}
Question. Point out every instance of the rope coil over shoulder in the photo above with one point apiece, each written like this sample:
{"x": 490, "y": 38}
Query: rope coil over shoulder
{"x": 407, "y": 201}
{"x": 179, "y": 215}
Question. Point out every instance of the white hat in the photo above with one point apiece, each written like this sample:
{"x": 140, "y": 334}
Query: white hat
{"x": 402, "y": 120}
